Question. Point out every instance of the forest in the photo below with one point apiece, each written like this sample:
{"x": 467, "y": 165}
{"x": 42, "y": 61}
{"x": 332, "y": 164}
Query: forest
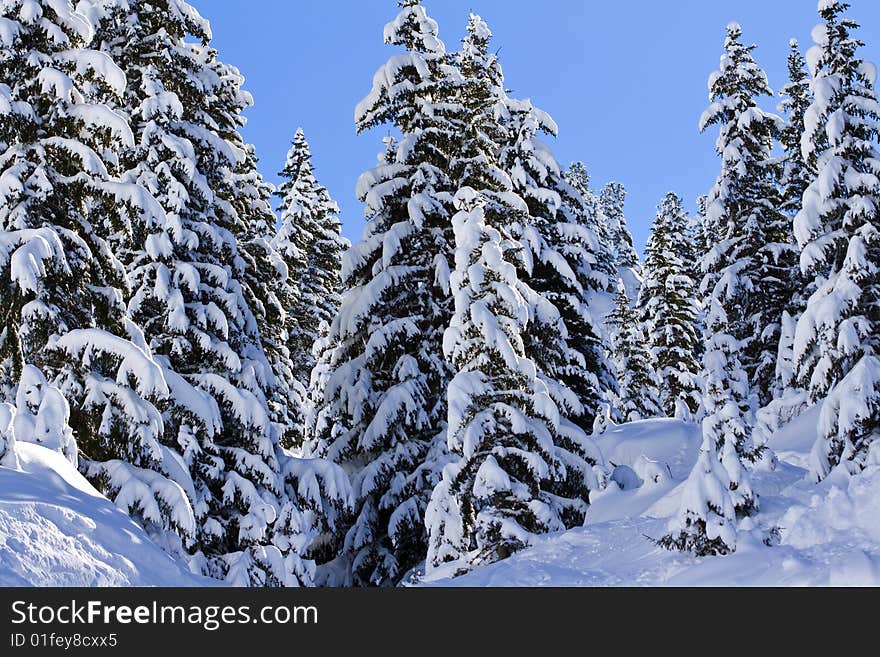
{"x": 274, "y": 406}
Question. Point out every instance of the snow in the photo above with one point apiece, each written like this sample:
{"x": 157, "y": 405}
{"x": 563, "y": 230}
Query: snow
{"x": 57, "y": 530}
{"x": 828, "y": 533}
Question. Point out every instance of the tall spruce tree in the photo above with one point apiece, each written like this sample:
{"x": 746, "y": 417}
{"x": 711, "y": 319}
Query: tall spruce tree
{"x": 612, "y": 201}
{"x": 838, "y": 229}
{"x": 591, "y": 214}
{"x": 512, "y": 480}
{"x": 638, "y": 395}
{"x": 561, "y": 265}
{"x": 796, "y": 98}
{"x": 729, "y": 416}
{"x": 467, "y": 523}
{"x": 668, "y": 309}
{"x": 310, "y": 242}
{"x": 383, "y": 416}
{"x": 192, "y": 291}
{"x": 752, "y": 254}
{"x": 63, "y": 208}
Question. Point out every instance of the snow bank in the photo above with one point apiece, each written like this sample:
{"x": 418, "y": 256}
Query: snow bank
{"x": 826, "y": 534}
{"x": 57, "y": 530}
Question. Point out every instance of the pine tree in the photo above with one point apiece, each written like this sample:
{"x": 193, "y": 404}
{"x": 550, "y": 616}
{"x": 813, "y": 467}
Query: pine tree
{"x": 267, "y": 285}
{"x": 706, "y": 521}
{"x": 192, "y": 291}
{"x": 63, "y": 208}
{"x": 561, "y": 265}
{"x": 668, "y": 310}
{"x": 752, "y": 253}
{"x": 310, "y": 242}
{"x": 836, "y": 344}
{"x": 729, "y": 416}
{"x": 502, "y": 421}
{"x": 384, "y": 407}
{"x": 591, "y": 214}
{"x": 796, "y": 98}
{"x": 638, "y": 396}
{"x": 612, "y": 201}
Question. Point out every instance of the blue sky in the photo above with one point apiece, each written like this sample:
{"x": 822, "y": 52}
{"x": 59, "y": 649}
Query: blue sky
{"x": 625, "y": 80}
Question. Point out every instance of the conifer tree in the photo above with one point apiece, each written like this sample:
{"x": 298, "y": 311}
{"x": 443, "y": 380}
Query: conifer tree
{"x": 310, "y": 242}
{"x": 266, "y": 282}
{"x": 194, "y": 294}
{"x": 384, "y": 408}
{"x": 706, "y": 520}
{"x": 729, "y": 416}
{"x": 752, "y": 252}
{"x": 638, "y": 396}
{"x": 612, "y": 201}
{"x": 561, "y": 265}
{"x": 591, "y": 214}
{"x": 836, "y": 344}
{"x": 502, "y": 421}
{"x": 796, "y": 98}
{"x": 668, "y": 309}
{"x": 64, "y": 207}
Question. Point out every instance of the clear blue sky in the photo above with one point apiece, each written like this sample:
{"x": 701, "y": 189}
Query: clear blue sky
{"x": 625, "y": 80}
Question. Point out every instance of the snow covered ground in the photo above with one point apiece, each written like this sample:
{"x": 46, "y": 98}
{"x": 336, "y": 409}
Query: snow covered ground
{"x": 57, "y": 530}
{"x": 829, "y": 533}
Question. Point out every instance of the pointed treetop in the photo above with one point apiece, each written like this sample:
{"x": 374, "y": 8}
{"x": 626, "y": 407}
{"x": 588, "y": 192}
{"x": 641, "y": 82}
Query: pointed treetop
{"x": 737, "y": 82}
{"x": 413, "y": 29}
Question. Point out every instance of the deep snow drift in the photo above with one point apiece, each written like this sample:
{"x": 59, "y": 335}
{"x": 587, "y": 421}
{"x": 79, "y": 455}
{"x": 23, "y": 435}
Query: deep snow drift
{"x": 57, "y": 530}
{"x": 828, "y": 534}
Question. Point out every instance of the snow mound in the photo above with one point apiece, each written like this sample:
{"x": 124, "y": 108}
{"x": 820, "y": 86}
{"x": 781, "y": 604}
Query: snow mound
{"x": 824, "y": 534}
{"x": 57, "y": 530}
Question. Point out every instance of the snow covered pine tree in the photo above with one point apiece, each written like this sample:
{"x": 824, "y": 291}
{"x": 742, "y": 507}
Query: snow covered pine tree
{"x": 751, "y": 253}
{"x": 668, "y": 310}
{"x": 384, "y": 408}
{"x": 62, "y": 207}
{"x": 503, "y": 425}
{"x": 626, "y": 258}
{"x": 837, "y": 343}
{"x": 310, "y": 242}
{"x": 191, "y": 297}
{"x": 502, "y": 421}
{"x": 638, "y": 395}
{"x": 563, "y": 264}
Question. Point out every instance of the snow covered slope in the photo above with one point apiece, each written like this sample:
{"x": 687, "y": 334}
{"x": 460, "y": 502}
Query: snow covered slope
{"x": 57, "y": 530}
{"x": 829, "y": 534}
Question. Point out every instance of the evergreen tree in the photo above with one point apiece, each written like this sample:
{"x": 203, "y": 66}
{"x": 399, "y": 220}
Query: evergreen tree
{"x": 267, "y": 284}
{"x": 668, "y": 309}
{"x": 752, "y": 253}
{"x": 310, "y": 242}
{"x": 502, "y": 421}
{"x": 706, "y": 521}
{"x": 838, "y": 336}
{"x": 193, "y": 291}
{"x": 63, "y": 207}
{"x": 729, "y": 417}
{"x": 612, "y": 201}
{"x": 591, "y": 214}
{"x": 384, "y": 408}
{"x": 796, "y": 98}
{"x": 561, "y": 265}
{"x": 638, "y": 396}
{"x": 796, "y": 175}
